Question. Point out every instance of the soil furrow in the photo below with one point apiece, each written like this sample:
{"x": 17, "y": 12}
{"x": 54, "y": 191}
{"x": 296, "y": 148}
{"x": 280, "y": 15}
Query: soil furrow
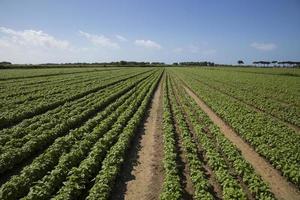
{"x": 142, "y": 176}
{"x": 289, "y": 124}
{"x": 281, "y": 188}
{"x": 216, "y": 189}
{"x": 188, "y": 189}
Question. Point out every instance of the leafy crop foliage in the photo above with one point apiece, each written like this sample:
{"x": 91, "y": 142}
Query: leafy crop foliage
{"x": 270, "y": 137}
{"x": 65, "y": 133}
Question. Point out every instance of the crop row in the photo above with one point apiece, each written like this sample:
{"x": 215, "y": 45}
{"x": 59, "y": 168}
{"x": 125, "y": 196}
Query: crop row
{"x": 50, "y": 96}
{"x": 33, "y": 73}
{"x": 82, "y": 175}
{"x": 38, "y": 141}
{"x": 230, "y": 186}
{"x": 200, "y": 182}
{"x": 50, "y": 183}
{"x": 43, "y": 81}
{"x": 75, "y": 145}
{"x": 270, "y": 139}
{"x": 44, "y": 118}
{"x": 34, "y": 89}
{"x": 105, "y": 179}
{"x": 233, "y": 158}
{"x": 18, "y": 93}
{"x": 30, "y": 123}
{"x": 171, "y": 186}
{"x": 45, "y": 122}
{"x": 22, "y": 133}
{"x": 257, "y": 99}
{"x": 282, "y": 89}
{"x": 10, "y": 118}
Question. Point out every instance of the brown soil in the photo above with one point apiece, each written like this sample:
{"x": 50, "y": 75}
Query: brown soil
{"x": 184, "y": 170}
{"x": 231, "y": 169}
{"x": 290, "y": 125}
{"x": 281, "y": 188}
{"x": 212, "y": 180}
{"x": 146, "y": 174}
{"x": 216, "y": 189}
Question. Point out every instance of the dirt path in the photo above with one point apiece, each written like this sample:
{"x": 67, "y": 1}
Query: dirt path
{"x": 184, "y": 171}
{"x": 278, "y": 184}
{"x": 146, "y": 176}
{"x": 290, "y": 125}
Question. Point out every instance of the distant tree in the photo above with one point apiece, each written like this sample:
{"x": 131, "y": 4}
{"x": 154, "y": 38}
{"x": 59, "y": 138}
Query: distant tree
{"x": 297, "y": 64}
{"x": 122, "y": 62}
{"x": 264, "y": 63}
{"x": 201, "y": 63}
{"x": 5, "y": 63}
{"x": 274, "y": 62}
{"x": 240, "y": 62}
{"x": 285, "y": 63}
{"x": 211, "y": 64}
{"x": 281, "y": 64}
{"x": 157, "y": 63}
{"x": 289, "y": 63}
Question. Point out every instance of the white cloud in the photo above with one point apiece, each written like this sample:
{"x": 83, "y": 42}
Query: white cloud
{"x": 34, "y": 46}
{"x": 31, "y": 38}
{"x": 100, "y": 40}
{"x": 147, "y": 44}
{"x": 263, "y": 46}
{"x": 121, "y": 38}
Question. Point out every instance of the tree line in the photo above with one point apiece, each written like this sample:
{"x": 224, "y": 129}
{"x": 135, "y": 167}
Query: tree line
{"x": 200, "y": 63}
{"x": 273, "y": 63}
{"x": 277, "y": 63}
{"x": 122, "y": 63}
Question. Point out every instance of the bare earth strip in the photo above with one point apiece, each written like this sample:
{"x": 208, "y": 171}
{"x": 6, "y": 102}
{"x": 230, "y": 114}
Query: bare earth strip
{"x": 290, "y": 125}
{"x": 281, "y": 188}
{"x": 147, "y": 174}
{"x": 184, "y": 170}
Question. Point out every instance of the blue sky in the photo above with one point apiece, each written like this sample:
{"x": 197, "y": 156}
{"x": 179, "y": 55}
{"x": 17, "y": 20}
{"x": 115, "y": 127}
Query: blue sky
{"x": 222, "y": 31}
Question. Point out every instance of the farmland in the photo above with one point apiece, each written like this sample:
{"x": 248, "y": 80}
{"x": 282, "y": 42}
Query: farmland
{"x": 150, "y": 133}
